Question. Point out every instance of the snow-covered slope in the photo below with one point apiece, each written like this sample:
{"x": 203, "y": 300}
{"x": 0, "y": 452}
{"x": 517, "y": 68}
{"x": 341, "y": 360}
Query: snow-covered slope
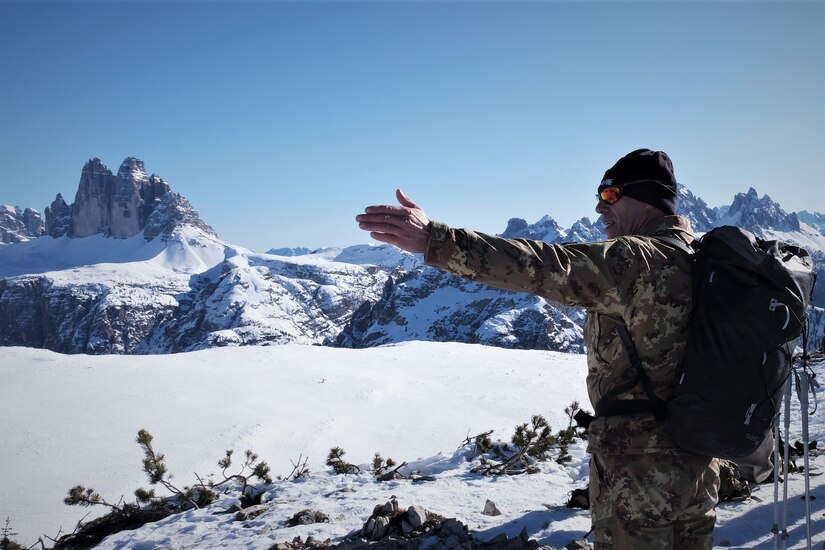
{"x": 414, "y": 402}
{"x": 428, "y": 304}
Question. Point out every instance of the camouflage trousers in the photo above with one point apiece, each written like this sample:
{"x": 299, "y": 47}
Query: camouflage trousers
{"x": 653, "y": 501}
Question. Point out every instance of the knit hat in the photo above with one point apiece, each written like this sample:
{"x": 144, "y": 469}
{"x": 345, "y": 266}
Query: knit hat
{"x": 644, "y": 164}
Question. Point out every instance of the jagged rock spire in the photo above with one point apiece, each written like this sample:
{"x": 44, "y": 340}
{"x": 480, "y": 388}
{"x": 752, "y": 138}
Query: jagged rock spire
{"x": 117, "y": 205}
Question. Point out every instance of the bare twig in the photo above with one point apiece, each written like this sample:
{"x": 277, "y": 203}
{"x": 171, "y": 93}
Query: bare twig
{"x": 299, "y": 469}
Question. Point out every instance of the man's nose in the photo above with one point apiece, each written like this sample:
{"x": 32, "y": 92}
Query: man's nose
{"x": 602, "y": 207}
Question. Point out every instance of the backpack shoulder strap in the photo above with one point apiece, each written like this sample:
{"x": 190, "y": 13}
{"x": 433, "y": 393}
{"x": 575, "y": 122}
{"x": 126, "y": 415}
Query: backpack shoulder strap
{"x": 676, "y": 242}
{"x": 608, "y": 405}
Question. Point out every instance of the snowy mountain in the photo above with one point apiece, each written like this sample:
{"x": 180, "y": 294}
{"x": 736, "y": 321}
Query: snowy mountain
{"x": 815, "y": 220}
{"x": 702, "y": 218}
{"x": 131, "y": 268}
{"x": 428, "y": 304}
{"x": 767, "y": 220}
{"x": 18, "y": 225}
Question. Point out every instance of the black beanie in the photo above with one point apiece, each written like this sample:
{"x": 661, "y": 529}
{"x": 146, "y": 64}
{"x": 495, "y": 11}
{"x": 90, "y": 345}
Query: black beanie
{"x": 644, "y": 164}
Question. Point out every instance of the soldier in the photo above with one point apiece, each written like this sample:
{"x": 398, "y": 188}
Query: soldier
{"x": 645, "y": 492}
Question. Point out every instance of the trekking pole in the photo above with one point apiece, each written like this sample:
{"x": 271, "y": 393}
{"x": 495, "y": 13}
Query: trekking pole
{"x": 785, "y": 463}
{"x": 803, "y": 402}
{"x": 807, "y": 382}
{"x": 776, "y": 440}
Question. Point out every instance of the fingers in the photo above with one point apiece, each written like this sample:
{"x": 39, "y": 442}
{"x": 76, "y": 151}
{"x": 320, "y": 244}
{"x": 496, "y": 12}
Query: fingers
{"x": 410, "y": 245}
{"x": 386, "y": 238}
{"x": 405, "y": 226}
{"x": 382, "y": 222}
{"x": 387, "y": 209}
{"x": 404, "y": 200}
{"x": 385, "y": 228}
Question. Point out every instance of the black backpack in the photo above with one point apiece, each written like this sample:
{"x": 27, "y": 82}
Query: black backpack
{"x": 750, "y": 298}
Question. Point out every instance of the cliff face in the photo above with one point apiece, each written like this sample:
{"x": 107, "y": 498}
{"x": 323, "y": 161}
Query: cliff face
{"x": 58, "y": 218}
{"x": 116, "y": 205}
{"x": 18, "y": 224}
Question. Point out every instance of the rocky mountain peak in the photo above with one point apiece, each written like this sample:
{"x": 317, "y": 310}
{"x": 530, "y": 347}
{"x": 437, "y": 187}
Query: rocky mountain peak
{"x": 173, "y": 211}
{"x": 116, "y": 205}
{"x": 94, "y": 167}
{"x": 584, "y": 231}
{"x": 546, "y": 229}
{"x": 814, "y": 219}
{"x": 702, "y": 217}
{"x": 58, "y": 218}
{"x": 132, "y": 170}
{"x": 757, "y": 214}
{"x": 19, "y": 224}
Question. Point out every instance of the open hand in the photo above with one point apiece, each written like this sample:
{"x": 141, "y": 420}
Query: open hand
{"x": 405, "y": 226}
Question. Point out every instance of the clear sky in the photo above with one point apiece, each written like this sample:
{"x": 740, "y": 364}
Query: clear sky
{"x": 281, "y": 121}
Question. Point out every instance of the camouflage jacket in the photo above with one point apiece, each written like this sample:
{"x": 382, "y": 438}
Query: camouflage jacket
{"x": 641, "y": 282}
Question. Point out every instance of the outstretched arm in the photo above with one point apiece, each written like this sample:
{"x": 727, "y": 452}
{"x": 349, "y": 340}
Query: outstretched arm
{"x": 405, "y": 226}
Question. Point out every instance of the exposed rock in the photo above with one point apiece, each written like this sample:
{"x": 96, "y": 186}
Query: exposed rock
{"x": 585, "y": 231}
{"x": 307, "y": 517}
{"x": 393, "y": 531}
{"x": 490, "y": 509}
{"x": 173, "y": 211}
{"x": 416, "y": 516}
{"x": 701, "y": 217}
{"x": 546, "y": 229}
{"x": 755, "y": 214}
{"x": 18, "y": 225}
{"x": 389, "y": 520}
{"x": 579, "y": 498}
{"x": 58, "y": 218}
{"x": 468, "y": 312}
{"x": 117, "y": 205}
{"x": 814, "y": 219}
{"x": 252, "y": 512}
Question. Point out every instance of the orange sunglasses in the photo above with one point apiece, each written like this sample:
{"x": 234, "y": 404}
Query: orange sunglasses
{"x": 612, "y": 193}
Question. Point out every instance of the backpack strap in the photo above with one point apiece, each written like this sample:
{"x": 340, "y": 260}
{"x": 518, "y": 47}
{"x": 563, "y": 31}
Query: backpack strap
{"x": 675, "y": 242}
{"x": 608, "y": 405}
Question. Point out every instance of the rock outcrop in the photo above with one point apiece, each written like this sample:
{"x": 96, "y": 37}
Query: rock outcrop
{"x": 547, "y": 230}
{"x": 428, "y": 304}
{"x": 756, "y": 214}
{"x": 58, "y": 218}
{"x": 116, "y": 205}
{"x": 702, "y": 218}
{"x": 18, "y": 225}
{"x": 173, "y": 211}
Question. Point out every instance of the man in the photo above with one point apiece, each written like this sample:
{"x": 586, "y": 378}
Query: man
{"x": 645, "y": 492}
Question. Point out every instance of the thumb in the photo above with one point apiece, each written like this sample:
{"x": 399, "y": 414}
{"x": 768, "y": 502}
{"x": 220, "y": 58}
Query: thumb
{"x": 404, "y": 200}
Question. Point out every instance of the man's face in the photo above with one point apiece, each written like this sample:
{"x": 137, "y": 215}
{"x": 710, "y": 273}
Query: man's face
{"x": 626, "y": 216}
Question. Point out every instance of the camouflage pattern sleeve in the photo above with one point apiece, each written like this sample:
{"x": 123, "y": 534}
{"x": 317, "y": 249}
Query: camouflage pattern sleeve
{"x": 589, "y": 275}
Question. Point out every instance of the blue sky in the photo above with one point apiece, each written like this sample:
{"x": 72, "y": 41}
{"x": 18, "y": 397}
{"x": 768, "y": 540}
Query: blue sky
{"x": 281, "y": 121}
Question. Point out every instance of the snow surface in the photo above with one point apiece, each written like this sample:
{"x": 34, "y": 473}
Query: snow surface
{"x": 68, "y": 420}
{"x": 189, "y": 251}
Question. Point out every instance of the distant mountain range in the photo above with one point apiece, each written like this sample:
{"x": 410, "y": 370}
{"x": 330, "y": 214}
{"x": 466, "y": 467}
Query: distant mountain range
{"x": 130, "y": 267}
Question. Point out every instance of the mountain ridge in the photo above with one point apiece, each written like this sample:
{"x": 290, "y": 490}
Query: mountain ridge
{"x": 173, "y": 285}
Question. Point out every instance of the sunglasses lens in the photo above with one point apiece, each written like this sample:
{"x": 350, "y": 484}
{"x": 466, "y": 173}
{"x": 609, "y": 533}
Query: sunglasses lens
{"x": 610, "y": 194}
